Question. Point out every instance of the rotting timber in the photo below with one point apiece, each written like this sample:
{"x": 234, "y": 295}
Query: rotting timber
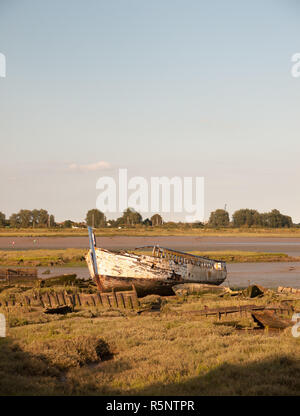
{"x": 59, "y": 299}
{"x": 150, "y": 274}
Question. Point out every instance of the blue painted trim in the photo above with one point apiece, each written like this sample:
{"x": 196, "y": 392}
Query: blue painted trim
{"x": 92, "y": 247}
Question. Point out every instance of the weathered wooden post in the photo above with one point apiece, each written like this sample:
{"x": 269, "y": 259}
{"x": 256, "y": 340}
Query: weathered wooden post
{"x": 2, "y": 326}
{"x": 94, "y": 258}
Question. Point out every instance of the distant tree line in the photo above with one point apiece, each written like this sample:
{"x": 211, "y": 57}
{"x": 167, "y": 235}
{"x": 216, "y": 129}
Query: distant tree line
{"x": 40, "y": 218}
{"x": 250, "y": 218}
{"x": 130, "y": 217}
{"x": 25, "y": 218}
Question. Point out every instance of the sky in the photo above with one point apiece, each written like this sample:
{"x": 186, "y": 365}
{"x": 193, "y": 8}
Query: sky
{"x": 161, "y": 88}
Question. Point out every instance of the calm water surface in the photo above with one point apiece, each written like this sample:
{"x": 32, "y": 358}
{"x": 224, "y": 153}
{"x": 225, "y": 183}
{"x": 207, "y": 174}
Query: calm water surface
{"x": 290, "y": 246}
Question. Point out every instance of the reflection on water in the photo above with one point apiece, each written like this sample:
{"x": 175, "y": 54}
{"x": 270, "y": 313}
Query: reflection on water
{"x": 81, "y": 272}
{"x": 270, "y": 275}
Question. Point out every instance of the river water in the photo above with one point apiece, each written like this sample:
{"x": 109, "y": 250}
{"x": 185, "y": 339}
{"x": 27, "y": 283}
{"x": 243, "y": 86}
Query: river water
{"x": 290, "y": 246}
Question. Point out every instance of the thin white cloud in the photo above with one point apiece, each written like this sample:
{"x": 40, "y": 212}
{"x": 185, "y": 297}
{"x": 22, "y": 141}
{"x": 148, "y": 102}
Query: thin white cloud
{"x": 90, "y": 167}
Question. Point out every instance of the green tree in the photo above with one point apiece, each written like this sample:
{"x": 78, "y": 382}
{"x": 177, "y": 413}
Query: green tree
{"x": 287, "y": 221}
{"x": 118, "y": 222}
{"x": 44, "y": 218}
{"x": 251, "y": 217}
{"x": 156, "y": 220}
{"x": 219, "y": 218}
{"x": 35, "y": 218}
{"x": 95, "y": 218}
{"x": 131, "y": 217}
{"x": 52, "y": 221}
{"x": 2, "y": 220}
{"x": 25, "y": 218}
{"x": 257, "y": 219}
{"x": 67, "y": 224}
{"x": 14, "y": 221}
{"x": 275, "y": 219}
{"x": 40, "y": 218}
{"x": 246, "y": 217}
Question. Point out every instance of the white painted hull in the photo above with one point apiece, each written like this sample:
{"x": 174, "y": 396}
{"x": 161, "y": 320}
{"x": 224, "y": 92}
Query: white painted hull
{"x": 152, "y": 274}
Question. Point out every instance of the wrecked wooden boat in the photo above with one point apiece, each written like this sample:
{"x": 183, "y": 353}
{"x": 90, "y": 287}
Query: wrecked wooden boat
{"x": 150, "y": 274}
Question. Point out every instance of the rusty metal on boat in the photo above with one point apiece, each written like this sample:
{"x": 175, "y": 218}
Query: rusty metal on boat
{"x": 150, "y": 274}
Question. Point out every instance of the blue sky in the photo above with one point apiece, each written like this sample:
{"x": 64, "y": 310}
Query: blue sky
{"x": 188, "y": 88}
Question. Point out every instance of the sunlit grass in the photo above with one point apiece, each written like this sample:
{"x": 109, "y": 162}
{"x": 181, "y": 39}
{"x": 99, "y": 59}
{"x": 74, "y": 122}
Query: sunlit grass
{"x": 44, "y": 257}
{"x": 76, "y": 257}
{"x": 245, "y": 256}
{"x": 150, "y": 354}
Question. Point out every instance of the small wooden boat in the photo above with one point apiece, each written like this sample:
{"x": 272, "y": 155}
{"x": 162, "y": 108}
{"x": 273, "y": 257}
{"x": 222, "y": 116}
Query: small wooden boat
{"x": 155, "y": 273}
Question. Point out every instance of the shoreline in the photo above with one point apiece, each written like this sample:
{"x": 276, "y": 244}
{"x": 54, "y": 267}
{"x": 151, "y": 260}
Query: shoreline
{"x": 155, "y": 232}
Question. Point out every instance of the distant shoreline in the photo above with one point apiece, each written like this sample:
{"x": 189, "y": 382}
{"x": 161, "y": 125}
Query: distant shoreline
{"x": 153, "y": 232}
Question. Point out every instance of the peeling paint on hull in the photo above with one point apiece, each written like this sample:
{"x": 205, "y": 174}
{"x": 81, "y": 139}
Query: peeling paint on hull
{"x": 143, "y": 287}
{"x": 154, "y": 274}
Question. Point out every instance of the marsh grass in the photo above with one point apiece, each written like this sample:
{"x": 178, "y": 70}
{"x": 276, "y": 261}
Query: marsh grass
{"x": 70, "y": 257}
{"x": 159, "y": 354}
{"x": 245, "y": 256}
{"x": 76, "y": 257}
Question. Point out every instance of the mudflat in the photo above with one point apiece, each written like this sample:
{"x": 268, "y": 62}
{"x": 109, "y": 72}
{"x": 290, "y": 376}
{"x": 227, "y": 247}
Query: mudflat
{"x": 290, "y": 246}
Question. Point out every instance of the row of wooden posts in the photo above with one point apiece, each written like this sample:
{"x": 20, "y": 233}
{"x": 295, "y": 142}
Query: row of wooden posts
{"x": 121, "y": 300}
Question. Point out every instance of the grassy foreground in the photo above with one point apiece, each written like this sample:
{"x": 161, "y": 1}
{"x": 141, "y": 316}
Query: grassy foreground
{"x": 152, "y": 231}
{"x": 75, "y": 257}
{"x": 98, "y": 352}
